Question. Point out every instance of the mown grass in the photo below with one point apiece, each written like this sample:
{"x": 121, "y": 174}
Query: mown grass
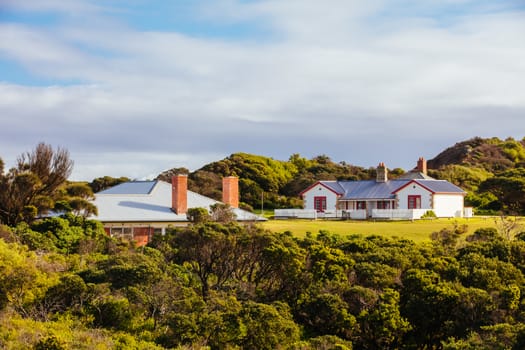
{"x": 417, "y": 230}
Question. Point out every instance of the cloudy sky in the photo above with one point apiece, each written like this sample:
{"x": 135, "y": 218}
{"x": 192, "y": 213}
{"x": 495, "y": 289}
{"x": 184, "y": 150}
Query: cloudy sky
{"x": 135, "y": 87}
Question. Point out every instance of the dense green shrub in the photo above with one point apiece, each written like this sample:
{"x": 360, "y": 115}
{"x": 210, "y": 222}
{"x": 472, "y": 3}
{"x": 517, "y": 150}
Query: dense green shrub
{"x": 231, "y": 286}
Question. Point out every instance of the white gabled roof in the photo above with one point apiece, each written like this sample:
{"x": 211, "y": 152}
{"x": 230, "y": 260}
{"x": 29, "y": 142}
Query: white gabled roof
{"x": 150, "y": 201}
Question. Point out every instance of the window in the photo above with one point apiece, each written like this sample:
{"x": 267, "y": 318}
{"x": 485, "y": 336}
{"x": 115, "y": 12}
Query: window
{"x": 414, "y": 202}
{"x": 383, "y": 205}
{"x": 320, "y": 203}
{"x": 122, "y": 232}
{"x": 361, "y": 205}
{"x": 116, "y": 231}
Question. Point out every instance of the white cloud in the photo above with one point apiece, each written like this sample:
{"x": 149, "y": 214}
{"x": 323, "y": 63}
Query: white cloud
{"x": 333, "y": 80}
{"x": 135, "y": 165}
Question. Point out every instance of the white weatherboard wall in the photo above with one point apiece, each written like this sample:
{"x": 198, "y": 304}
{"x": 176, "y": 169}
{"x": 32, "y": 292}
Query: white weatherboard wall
{"x": 320, "y": 191}
{"x": 448, "y": 205}
{"x": 414, "y": 189}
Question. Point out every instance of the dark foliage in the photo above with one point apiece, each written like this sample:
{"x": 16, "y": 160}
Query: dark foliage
{"x": 224, "y": 285}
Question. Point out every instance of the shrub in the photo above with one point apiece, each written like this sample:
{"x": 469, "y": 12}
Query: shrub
{"x": 429, "y": 214}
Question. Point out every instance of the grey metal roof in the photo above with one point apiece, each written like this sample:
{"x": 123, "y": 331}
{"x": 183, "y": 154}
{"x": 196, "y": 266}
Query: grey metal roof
{"x": 130, "y": 188}
{"x": 334, "y": 186}
{"x": 440, "y": 186}
{"x": 150, "y": 201}
{"x": 415, "y": 175}
{"x": 370, "y": 189}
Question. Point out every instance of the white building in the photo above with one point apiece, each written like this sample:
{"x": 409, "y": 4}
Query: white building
{"x": 137, "y": 210}
{"x": 407, "y": 197}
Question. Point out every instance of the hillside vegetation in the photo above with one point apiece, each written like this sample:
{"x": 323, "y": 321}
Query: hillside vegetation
{"x": 277, "y": 182}
{"x": 492, "y": 171}
{"x": 64, "y": 284}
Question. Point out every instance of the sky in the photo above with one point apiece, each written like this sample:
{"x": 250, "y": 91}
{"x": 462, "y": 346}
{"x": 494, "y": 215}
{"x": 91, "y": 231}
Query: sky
{"x": 135, "y": 87}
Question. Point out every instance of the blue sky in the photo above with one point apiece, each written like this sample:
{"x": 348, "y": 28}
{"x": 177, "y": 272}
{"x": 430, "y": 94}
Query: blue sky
{"x": 135, "y": 87}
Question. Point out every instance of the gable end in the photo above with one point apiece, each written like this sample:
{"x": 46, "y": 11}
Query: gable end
{"x": 412, "y": 182}
{"x": 321, "y": 184}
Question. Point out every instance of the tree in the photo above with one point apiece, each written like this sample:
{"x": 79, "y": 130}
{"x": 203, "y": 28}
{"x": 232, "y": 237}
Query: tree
{"x": 49, "y": 343}
{"x": 69, "y": 294}
{"x": 268, "y": 326}
{"x": 207, "y": 249}
{"x": 382, "y": 325}
{"x": 76, "y": 198}
{"x": 508, "y": 228}
{"x": 327, "y": 342}
{"x": 101, "y": 183}
{"x": 30, "y": 188}
{"x": 426, "y": 302}
{"x": 496, "y": 337}
{"x": 222, "y": 213}
{"x": 509, "y": 188}
{"x": 198, "y": 215}
{"x": 376, "y": 275}
{"x": 20, "y": 277}
{"x": 326, "y": 314}
{"x": 221, "y": 323}
{"x": 448, "y": 238}
{"x": 82, "y": 207}
{"x": 328, "y": 264}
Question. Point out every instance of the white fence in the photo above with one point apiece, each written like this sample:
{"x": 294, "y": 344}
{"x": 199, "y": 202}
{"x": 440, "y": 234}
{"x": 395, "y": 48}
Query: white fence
{"x": 398, "y": 214}
{"x": 330, "y": 214}
{"x": 361, "y": 214}
{"x": 295, "y": 214}
{"x": 314, "y": 214}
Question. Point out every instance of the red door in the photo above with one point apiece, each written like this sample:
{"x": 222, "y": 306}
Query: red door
{"x": 320, "y": 203}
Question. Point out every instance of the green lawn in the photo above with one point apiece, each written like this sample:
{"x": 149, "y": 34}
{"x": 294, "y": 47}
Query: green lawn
{"x": 418, "y": 230}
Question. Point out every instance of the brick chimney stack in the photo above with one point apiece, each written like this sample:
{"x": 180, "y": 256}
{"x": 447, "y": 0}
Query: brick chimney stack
{"x": 422, "y": 165}
{"x": 230, "y": 191}
{"x": 382, "y": 173}
{"x": 179, "y": 194}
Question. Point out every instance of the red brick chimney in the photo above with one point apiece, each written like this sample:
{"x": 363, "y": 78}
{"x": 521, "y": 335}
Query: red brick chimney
{"x": 230, "y": 191}
{"x": 422, "y": 165}
{"x": 179, "y": 194}
{"x": 382, "y": 173}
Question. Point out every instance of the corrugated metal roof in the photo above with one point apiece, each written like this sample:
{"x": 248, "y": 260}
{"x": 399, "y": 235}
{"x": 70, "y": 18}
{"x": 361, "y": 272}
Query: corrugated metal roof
{"x": 132, "y": 187}
{"x": 150, "y": 201}
{"x": 370, "y": 189}
{"x": 333, "y": 185}
{"x": 415, "y": 175}
{"x": 440, "y": 186}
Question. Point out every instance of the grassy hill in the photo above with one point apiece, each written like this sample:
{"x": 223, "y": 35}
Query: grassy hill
{"x": 493, "y": 155}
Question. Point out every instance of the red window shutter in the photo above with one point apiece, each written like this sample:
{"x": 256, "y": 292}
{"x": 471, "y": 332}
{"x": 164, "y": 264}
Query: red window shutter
{"x": 414, "y": 202}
